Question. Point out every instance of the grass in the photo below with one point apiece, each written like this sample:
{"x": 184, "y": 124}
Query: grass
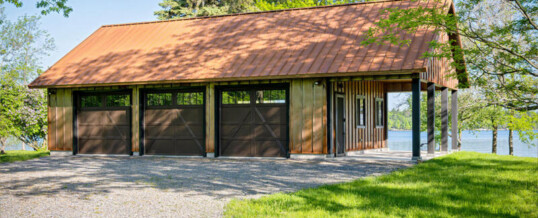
{"x": 19, "y": 155}
{"x": 462, "y": 184}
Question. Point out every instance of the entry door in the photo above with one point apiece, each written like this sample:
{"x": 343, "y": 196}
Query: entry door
{"x": 340, "y": 124}
{"x": 103, "y": 123}
{"x": 174, "y": 122}
{"x": 253, "y": 122}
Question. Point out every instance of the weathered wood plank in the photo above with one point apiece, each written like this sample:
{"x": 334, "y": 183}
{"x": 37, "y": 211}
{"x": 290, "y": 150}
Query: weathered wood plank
{"x": 307, "y": 116}
{"x": 296, "y": 116}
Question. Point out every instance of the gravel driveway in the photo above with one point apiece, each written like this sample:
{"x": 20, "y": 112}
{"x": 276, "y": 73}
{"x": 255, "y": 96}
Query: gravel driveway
{"x": 68, "y": 186}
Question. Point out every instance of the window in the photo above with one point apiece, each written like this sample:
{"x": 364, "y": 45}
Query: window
{"x": 271, "y": 97}
{"x": 91, "y": 101}
{"x": 379, "y": 112}
{"x": 236, "y": 97}
{"x": 190, "y": 98}
{"x": 159, "y": 99}
{"x": 118, "y": 100}
{"x": 360, "y": 116}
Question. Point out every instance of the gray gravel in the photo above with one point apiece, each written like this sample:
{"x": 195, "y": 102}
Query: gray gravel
{"x": 161, "y": 187}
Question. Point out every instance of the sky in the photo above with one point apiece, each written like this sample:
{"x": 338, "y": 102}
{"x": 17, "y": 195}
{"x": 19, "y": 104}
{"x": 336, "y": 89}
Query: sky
{"x": 88, "y": 15}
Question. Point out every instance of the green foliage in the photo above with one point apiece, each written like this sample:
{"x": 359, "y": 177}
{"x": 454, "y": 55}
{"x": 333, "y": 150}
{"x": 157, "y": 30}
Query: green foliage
{"x": 464, "y": 184}
{"x": 173, "y": 9}
{"x": 500, "y": 45}
{"x": 23, "y": 112}
{"x": 47, "y": 6}
{"x": 399, "y": 119}
{"x": 12, "y": 156}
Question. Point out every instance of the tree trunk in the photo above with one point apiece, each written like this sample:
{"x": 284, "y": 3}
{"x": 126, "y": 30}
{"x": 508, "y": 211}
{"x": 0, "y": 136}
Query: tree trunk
{"x": 459, "y": 139}
{"x": 511, "y": 141}
{"x": 494, "y": 140}
{"x": 2, "y": 145}
{"x": 23, "y": 146}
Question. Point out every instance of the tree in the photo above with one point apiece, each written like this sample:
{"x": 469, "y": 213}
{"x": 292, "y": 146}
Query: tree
{"x": 502, "y": 43}
{"x": 10, "y": 103}
{"x": 173, "y": 9}
{"x": 47, "y": 6}
{"x": 22, "y": 111}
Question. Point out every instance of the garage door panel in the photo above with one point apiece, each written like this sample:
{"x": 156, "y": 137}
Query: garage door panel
{"x": 253, "y": 126}
{"x": 235, "y": 115}
{"x": 102, "y": 146}
{"x": 197, "y": 130}
{"x": 91, "y": 117}
{"x": 160, "y": 146}
{"x": 267, "y": 131}
{"x": 269, "y": 148}
{"x": 235, "y": 131}
{"x": 103, "y": 129}
{"x": 155, "y": 131}
{"x": 175, "y": 125}
{"x": 240, "y": 148}
{"x": 187, "y": 147}
{"x": 159, "y": 116}
{"x": 276, "y": 114}
{"x": 116, "y": 117}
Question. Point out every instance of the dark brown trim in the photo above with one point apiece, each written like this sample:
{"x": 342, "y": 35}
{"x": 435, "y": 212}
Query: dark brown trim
{"x": 329, "y": 116}
{"x": 301, "y": 76}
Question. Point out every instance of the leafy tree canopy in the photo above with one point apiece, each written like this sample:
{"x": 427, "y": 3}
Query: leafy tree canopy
{"x": 46, "y": 6}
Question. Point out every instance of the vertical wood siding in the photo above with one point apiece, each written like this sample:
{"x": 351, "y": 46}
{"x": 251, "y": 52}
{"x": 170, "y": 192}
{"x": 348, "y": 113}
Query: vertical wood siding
{"x": 308, "y": 117}
{"x": 439, "y": 70}
{"x": 60, "y": 120}
{"x": 369, "y": 137}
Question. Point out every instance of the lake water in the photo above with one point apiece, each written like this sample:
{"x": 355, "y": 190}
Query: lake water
{"x": 479, "y": 141}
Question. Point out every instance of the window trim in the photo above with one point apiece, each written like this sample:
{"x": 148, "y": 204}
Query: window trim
{"x": 379, "y": 112}
{"x": 358, "y": 111}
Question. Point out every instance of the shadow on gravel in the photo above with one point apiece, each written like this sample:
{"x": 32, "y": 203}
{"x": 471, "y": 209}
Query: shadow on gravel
{"x": 210, "y": 177}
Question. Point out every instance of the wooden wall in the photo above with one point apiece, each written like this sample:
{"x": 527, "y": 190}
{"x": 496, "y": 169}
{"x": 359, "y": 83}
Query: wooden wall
{"x": 308, "y": 114}
{"x": 60, "y": 120}
{"x": 439, "y": 70}
{"x": 308, "y": 117}
{"x": 369, "y": 137}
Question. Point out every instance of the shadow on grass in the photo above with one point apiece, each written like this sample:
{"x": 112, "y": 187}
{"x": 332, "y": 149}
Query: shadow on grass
{"x": 462, "y": 184}
{"x": 12, "y": 156}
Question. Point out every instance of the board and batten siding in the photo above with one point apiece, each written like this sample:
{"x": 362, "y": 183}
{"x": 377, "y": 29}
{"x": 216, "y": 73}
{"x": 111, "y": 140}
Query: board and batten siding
{"x": 369, "y": 137}
{"x": 60, "y": 120}
{"x": 308, "y": 116}
{"x": 439, "y": 70}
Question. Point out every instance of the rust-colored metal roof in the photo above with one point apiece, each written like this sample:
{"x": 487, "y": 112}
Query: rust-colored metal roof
{"x": 308, "y": 42}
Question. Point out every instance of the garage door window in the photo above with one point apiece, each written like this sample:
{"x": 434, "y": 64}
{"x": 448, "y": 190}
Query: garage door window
{"x": 271, "y": 97}
{"x": 159, "y": 99}
{"x": 235, "y": 97}
{"x": 190, "y": 98}
{"x": 90, "y": 101}
{"x": 121, "y": 100}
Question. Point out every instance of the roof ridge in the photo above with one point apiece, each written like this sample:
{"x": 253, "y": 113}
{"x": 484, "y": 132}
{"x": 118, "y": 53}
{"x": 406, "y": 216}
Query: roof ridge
{"x": 249, "y": 13}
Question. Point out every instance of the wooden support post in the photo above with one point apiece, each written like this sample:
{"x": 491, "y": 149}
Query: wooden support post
{"x": 416, "y": 118}
{"x": 444, "y": 119}
{"x": 431, "y": 118}
{"x": 454, "y": 109}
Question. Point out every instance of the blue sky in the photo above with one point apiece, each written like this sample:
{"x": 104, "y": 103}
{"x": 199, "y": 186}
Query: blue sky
{"x": 87, "y": 16}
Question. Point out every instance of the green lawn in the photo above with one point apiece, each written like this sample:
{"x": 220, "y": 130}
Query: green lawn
{"x": 11, "y": 156}
{"x": 463, "y": 184}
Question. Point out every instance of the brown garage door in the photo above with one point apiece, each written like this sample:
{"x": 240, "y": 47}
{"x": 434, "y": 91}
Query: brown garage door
{"x": 103, "y": 123}
{"x": 174, "y": 122}
{"x": 253, "y": 122}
